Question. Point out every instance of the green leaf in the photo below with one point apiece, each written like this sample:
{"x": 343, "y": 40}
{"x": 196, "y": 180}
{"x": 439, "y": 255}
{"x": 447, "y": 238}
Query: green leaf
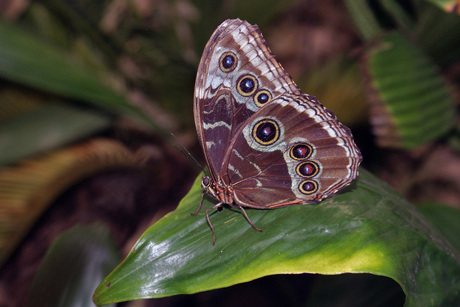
{"x": 47, "y": 128}
{"x": 364, "y": 18}
{"x": 72, "y": 266}
{"x": 413, "y": 104}
{"x": 446, "y": 219}
{"x": 27, "y": 60}
{"x": 367, "y": 229}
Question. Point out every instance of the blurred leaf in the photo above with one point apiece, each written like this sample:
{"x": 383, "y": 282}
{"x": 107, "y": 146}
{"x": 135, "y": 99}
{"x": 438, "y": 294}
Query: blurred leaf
{"x": 370, "y": 229}
{"x": 16, "y": 100}
{"x": 338, "y": 85}
{"x": 28, "y": 188}
{"x": 410, "y": 101}
{"x": 260, "y": 12}
{"x": 32, "y": 62}
{"x": 46, "y": 128}
{"x": 364, "y": 19}
{"x": 400, "y": 12}
{"x": 438, "y": 32}
{"x": 73, "y": 265}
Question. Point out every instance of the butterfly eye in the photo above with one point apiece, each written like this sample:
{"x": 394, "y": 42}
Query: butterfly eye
{"x": 262, "y": 97}
{"x": 266, "y": 132}
{"x": 205, "y": 181}
{"x": 307, "y": 169}
{"x": 301, "y": 151}
{"x": 308, "y": 187}
{"x": 227, "y": 62}
{"x": 247, "y": 85}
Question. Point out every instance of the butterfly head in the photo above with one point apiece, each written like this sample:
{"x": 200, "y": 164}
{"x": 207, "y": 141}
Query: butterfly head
{"x": 205, "y": 183}
{"x": 218, "y": 190}
{"x": 208, "y": 185}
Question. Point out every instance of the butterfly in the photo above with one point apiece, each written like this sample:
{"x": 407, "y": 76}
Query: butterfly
{"x": 267, "y": 145}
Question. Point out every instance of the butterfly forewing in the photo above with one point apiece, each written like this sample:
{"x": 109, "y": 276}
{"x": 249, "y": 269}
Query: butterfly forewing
{"x": 225, "y": 90}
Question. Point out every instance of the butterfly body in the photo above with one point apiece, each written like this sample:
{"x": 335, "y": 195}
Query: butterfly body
{"x": 267, "y": 144}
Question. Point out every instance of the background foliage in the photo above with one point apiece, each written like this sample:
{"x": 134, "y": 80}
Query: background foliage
{"x": 91, "y": 90}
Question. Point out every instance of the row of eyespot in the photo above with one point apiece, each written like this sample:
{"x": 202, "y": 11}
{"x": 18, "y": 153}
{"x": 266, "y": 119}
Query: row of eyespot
{"x": 266, "y": 132}
{"x": 247, "y": 84}
{"x": 307, "y": 169}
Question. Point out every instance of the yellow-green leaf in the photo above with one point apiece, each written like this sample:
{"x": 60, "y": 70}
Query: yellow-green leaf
{"x": 367, "y": 228}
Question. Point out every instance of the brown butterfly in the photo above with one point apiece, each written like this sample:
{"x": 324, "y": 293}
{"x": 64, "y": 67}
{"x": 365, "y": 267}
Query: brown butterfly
{"x": 267, "y": 145}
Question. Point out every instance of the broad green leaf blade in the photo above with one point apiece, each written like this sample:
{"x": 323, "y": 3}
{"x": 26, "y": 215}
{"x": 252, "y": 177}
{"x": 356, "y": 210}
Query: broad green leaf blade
{"x": 72, "y": 266}
{"x": 47, "y": 128}
{"x": 368, "y": 228}
{"x": 411, "y": 103}
{"x": 29, "y": 61}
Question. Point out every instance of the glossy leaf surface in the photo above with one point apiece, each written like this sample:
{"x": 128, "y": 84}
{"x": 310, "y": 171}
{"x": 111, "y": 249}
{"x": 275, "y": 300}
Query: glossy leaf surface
{"x": 368, "y": 228}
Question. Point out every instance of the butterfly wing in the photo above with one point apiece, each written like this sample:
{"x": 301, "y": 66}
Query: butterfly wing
{"x": 292, "y": 151}
{"x": 274, "y": 145}
{"x": 221, "y": 108}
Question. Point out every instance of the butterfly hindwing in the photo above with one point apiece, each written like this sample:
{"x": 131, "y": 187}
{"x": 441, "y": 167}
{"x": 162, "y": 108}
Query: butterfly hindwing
{"x": 302, "y": 160}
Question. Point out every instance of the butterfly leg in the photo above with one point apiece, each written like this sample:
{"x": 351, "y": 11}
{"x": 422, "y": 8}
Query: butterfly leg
{"x": 199, "y": 205}
{"x": 247, "y": 218}
{"x": 209, "y": 221}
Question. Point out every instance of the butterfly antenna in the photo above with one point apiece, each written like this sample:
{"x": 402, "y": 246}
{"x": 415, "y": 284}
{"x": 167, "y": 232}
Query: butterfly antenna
{"x": 187, "y": 153}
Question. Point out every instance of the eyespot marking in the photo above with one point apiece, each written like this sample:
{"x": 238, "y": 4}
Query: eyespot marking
{"x": 228, "y": 61}
{"x": 247, "y": 85}
{"x": 301, "y": 151}
{"x": 307, "y": 169}
{"x": 262, "y": 97}
{"x": 308, "y": 187}
{"x": 266, "y": 132}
